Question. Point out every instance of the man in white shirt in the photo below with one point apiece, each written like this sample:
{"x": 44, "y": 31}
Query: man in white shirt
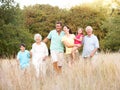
{"x": 90, "y": 44}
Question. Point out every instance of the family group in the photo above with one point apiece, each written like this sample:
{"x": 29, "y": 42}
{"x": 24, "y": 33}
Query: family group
{"x": 62, "y": 40}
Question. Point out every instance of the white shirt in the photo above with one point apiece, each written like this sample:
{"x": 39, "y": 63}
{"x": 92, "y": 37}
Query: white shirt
{"x": 89, "y": 44}
{"x": 39, "y": 52}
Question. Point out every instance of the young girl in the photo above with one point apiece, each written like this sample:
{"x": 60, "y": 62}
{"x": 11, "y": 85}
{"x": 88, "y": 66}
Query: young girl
{"x": 77, "y": 41}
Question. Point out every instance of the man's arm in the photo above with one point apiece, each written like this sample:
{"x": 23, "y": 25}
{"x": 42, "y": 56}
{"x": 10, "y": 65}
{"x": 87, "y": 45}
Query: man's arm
{"x": 93, "y": 52}
{"x": 96, "y": 45}
{"x": 45, "y": 40}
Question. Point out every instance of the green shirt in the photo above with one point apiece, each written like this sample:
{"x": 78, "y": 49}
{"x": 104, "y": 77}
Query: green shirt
{"x": 56, "y": 43}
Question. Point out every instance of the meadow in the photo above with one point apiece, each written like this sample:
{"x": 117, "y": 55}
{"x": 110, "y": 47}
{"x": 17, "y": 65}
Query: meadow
{"x": 103, "y": 74}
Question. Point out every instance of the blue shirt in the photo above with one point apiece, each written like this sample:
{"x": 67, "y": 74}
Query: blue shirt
{"x": 56, "y": 43}
{"x": 24, "y": 58}
{"x": 89, "y": 44}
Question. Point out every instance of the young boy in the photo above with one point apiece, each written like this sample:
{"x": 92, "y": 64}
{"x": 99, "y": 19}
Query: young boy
{"x": 23, "y": 57}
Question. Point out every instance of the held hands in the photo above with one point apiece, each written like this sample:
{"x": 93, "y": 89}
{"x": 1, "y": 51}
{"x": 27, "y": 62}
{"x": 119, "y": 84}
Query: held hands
{"x": 44, "y": 58}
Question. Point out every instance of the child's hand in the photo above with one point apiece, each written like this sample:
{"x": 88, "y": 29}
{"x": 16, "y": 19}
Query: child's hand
{"x": 75, "y": 38}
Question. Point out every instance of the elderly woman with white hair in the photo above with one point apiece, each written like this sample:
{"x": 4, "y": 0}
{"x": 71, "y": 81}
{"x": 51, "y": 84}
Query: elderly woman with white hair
{"x": 39, "y": 53}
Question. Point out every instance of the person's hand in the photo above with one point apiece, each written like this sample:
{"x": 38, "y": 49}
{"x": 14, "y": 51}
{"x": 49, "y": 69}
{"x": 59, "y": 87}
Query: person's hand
{"x": 69, "y": 46}
{"x": 91, "y": 55}
{"x": 30, "y": 53}
{"x": 44, "y": 58}
{"x": 75, "y": 38}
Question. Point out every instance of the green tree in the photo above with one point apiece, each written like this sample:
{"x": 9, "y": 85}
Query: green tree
{"x": 12, "y": 30}
{"x": 112, "y": 39}
{"x": 41, "y": 18}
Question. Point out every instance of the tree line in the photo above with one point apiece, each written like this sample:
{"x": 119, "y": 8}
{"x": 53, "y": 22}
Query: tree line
{"x": 19, "y": 25}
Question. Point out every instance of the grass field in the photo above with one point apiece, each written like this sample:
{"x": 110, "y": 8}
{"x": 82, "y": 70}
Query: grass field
{"x": 104, "y": 74}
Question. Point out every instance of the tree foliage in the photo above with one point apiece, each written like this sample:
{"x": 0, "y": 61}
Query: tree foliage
{"x": 18, "y": 26}
{"x": 41, "y": 18}
{"x": 112, "y": 39}
{"x": 12, "y": 30}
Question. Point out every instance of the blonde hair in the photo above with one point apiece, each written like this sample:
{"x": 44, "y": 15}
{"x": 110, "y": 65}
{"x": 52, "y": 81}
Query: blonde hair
{"x": 37, "y": 35}
{"x": 79, "y": 29}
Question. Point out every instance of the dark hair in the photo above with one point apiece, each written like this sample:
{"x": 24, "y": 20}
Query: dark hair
{"x": 22, "y": 44}
{"x": 70, "y": 31}
{"x": 59, "y": 22}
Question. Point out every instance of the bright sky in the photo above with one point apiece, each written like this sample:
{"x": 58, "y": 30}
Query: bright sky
{"x": 59, "y": 3}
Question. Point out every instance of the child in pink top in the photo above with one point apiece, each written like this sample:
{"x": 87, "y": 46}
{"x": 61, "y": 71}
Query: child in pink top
{"x": 77, "y": 41}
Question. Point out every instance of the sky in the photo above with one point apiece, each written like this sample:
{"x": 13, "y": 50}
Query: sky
{"x": 59, "y": 3}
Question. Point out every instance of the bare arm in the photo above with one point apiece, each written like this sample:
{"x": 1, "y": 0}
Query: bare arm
{"x": 80, "y": 39}
{"x": 17, "y": 59}
{"x": 45, "y": 40}
{"x": 45, "y": 53}
{"x": 30, "y": 56}
{"x": 17, "y": 62}
{"x": 93, "y": 52}
{"x": 67, "y": 44}
{"x": 96, "y": 45}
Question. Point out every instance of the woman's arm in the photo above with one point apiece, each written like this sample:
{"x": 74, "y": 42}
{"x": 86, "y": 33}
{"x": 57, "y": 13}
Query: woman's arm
{"x": 67, "y": 44}
{"x": 45, "y": 52}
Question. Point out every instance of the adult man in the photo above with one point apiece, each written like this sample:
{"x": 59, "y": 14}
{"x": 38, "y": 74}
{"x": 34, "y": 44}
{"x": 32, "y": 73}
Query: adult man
{"x": 56, "y": 46}
{"x": 90, "y": 44}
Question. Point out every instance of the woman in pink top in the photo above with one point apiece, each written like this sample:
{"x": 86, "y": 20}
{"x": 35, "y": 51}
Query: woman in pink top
{"x": 77, "y": 41}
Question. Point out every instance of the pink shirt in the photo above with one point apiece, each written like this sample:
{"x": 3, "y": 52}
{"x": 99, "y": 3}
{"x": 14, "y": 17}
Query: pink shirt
{"x": 78, "y": 37}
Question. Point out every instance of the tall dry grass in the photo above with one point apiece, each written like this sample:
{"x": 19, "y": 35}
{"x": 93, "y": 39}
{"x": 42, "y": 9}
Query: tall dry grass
{"x": 104, "y": 74}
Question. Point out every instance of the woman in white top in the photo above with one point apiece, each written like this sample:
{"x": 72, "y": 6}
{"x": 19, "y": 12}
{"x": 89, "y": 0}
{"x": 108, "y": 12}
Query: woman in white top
{"x": 39, "y": 53}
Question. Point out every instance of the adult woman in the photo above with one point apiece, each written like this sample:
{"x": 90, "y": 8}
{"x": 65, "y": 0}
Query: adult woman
{"x": 68, "y": 41}
{"x": 77, "y": 42}
{"x": 39, "y": 53}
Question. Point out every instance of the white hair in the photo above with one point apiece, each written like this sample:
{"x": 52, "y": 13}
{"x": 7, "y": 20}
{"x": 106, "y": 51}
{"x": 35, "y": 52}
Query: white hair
{"x": 88, "y": 27}
{"x": 37, "y": 35}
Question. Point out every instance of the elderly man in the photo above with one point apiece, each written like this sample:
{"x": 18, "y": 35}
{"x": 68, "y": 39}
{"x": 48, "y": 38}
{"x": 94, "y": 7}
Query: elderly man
{"x": 90, "y": 44}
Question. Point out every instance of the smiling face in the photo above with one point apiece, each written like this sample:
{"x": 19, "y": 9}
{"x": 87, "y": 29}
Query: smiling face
{"x": 89, "y": 30}
{"x": 38, "y": 39}
{"x": 58, "y": 27}
{"x": 80, "y": 31}
{"x": 22, "y": 48}
{"x": 65, "y": 29}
